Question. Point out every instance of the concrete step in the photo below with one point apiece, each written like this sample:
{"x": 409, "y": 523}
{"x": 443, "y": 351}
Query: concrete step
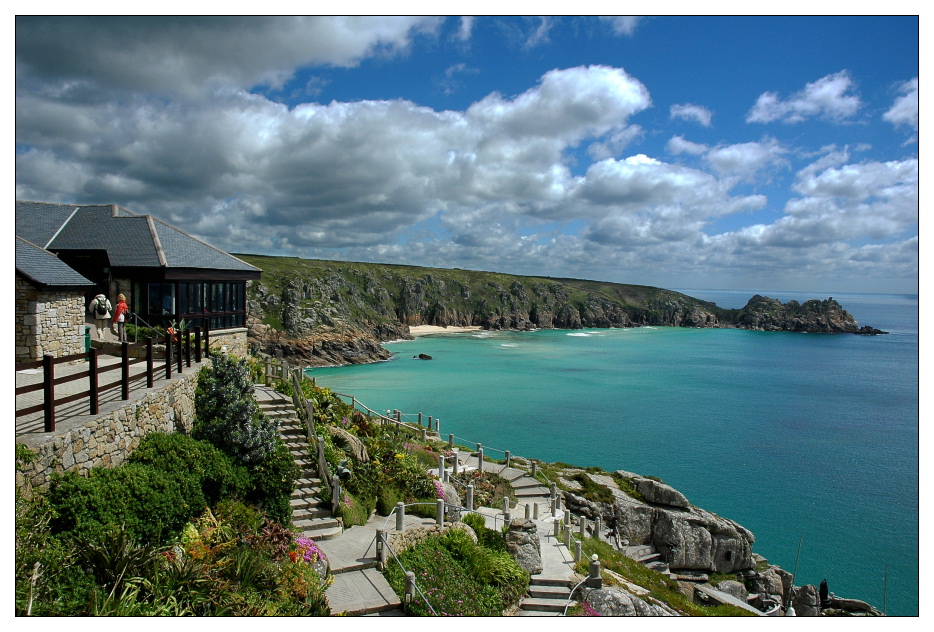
{"x": 547, "y": 581}
{"x": 310, "y": 513}
{"x": 550, "y": 592}
{"x": 308, "y": 481}
{"x": 544, "y": 605}
{"x": 305, "y": 502}
{"x": 323, "y": 533}
{"x": 361, "y": 593}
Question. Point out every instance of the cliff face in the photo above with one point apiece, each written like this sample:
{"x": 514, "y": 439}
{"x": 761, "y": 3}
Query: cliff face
{"x": 328, "y": 312}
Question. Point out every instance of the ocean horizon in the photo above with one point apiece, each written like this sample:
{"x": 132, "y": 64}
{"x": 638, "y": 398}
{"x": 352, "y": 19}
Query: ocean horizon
{"x": 809, "y": 438}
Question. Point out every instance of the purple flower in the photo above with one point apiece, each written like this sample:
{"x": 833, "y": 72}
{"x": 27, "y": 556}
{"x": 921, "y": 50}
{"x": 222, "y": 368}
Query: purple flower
{"x": 439, "y": 489}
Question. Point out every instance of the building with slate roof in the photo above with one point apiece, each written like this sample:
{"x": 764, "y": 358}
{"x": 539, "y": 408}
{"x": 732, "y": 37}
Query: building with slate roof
{"x": 166, "y": 274}
{"x": 49, "y": 300}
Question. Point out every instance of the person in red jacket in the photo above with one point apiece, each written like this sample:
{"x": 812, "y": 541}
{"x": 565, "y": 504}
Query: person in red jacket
{"x": 120, "y": 316}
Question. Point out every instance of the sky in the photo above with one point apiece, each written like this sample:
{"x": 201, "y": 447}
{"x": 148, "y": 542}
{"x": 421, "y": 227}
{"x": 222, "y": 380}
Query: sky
{"x": 747, "y": 153}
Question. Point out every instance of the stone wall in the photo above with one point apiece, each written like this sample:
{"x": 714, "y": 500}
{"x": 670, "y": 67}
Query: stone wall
{"x": 47, "y": 321}
{"x": 108, "y": 440}
{"x": 234, "y": 339}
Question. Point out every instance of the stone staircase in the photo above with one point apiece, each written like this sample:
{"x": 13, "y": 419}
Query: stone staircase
{"x": 309, "y": 512}
{"x": 546, "y": 597}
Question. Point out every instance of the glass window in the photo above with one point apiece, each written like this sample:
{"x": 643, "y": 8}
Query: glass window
{"x": 162, "y": 298}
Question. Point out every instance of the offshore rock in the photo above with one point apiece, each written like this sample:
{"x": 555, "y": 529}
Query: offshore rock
{"x": 815, "y": 316}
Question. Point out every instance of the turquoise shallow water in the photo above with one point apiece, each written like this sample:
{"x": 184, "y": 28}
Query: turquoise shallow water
{"x": 791, "y": 435}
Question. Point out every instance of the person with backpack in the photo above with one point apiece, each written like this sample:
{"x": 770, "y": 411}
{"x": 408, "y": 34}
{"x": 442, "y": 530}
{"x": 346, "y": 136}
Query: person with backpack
{"x": 100, "y": 307}
{"x": 120, "y": 316}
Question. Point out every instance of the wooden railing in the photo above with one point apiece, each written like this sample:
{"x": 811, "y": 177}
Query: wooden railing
{"x": 179, "y": 350}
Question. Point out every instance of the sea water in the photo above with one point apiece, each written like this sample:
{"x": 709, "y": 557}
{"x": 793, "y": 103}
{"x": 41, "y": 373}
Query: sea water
{"x": 807, "y": 440}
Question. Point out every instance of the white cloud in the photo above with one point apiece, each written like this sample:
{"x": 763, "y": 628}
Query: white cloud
{"x": 540, "y": 35}
{"x": 691, "y": 112}
{"x": 679, "y": 145}
{"x": 827, "y": 98}
{"x": 623, "y": 24}
{"x": 466, "y": 28}
{"x": 905, "y": 109}
{"x": 745, "y": 160}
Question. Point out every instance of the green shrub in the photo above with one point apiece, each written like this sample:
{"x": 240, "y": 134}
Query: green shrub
{"x": 227, "y": 415}
{"x": 355, "y": 511}
{"x": 272, "y": 481}
{"x": 386, "y": 498}
{"x": 219, "y": 476}
{"x": 459, "y": 577}
{"x": 150, "y": 504}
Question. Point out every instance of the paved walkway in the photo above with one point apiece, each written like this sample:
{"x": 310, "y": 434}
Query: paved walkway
{"x": 360, "y": 589}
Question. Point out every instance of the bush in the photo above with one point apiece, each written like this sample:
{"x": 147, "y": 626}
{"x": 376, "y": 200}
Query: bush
{"x": 227, "y": 415}
{"x": 272, "y": 481}
{"x": 460, "y": 577}
{"x": 218, "y": 475}
{"x": 150, "y": 504}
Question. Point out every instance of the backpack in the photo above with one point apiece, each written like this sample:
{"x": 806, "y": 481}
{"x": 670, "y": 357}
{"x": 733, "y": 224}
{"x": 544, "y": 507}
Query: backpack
{"x": 101, "y": 308}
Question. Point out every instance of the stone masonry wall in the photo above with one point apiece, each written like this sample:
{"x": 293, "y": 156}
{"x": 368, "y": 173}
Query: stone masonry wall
{"x": 109, "y": 439}
{"x": 234, "y": 339}
{"x": 47, "y": 322}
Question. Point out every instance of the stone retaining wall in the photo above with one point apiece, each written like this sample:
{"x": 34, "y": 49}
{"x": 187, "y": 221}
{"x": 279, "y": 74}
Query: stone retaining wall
{"x": 234, "y": 339}
{"x": 108, "y": 440}
{"x": 403, "y": 541}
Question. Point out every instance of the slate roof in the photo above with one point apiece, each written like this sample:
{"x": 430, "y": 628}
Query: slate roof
{"x": 44, "y": 269}
{"x": 130, "y": 240}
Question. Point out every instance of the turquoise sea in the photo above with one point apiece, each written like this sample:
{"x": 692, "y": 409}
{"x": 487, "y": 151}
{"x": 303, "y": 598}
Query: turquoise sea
{"x": 804, "y": 437}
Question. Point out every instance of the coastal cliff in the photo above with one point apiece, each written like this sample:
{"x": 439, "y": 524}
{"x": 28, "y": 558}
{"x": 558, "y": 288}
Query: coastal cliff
{"x": 330, "y": 312}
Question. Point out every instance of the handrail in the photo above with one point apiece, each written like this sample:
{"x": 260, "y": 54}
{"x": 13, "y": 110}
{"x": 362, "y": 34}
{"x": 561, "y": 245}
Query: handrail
{"x": 93, "y": 372}
{"x": 306, "y": 408}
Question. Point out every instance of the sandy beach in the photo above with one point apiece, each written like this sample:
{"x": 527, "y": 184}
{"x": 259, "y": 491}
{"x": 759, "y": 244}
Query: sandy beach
{"x": 427, "y": 330}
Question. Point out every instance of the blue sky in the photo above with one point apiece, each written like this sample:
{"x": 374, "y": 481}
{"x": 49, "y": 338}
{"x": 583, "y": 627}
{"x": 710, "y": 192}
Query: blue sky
{"x": 740, "y": 153}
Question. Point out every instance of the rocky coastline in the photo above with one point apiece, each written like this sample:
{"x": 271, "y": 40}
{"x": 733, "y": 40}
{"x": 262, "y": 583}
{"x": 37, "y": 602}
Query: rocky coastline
{"x": 324, "y": 313}
{"x": 707, "y": 555}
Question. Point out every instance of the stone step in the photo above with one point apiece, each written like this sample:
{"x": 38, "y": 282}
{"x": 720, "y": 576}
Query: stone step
{"x": 308, "y": 481}
{"x": 310, "y": 513}
{"x": 544, "y": 605}
{"x": 646, "y": 559}
{"x": 360, "y": 593}
{"x": 550, "y": 592}
{"x": 305, "y": 502}
{"x": 547, "y": 581}
{"x": 323, "y": 528}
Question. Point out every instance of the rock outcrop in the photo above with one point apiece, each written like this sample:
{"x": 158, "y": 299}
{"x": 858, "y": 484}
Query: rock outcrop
{"x": 615, "y": 602}
{"x": 815, "y": 316}
{"x": 523, "y": 545}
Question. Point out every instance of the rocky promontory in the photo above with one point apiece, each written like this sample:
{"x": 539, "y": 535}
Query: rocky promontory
{"x": 330, "y": 312}
{"x": 710, "y": 557}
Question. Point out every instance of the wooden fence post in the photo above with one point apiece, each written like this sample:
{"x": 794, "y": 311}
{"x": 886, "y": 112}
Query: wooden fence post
{"x": 125, "y": 370}
{"x": 92, "y": 380}
{"x": 150, "y": 378}
{"x": 178, "y": 347}
{"x": 168, "y": 356}
{"x": 188, "y": 349}
{"x": 48, "y": 391}
{"x": 198, "y": 344}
